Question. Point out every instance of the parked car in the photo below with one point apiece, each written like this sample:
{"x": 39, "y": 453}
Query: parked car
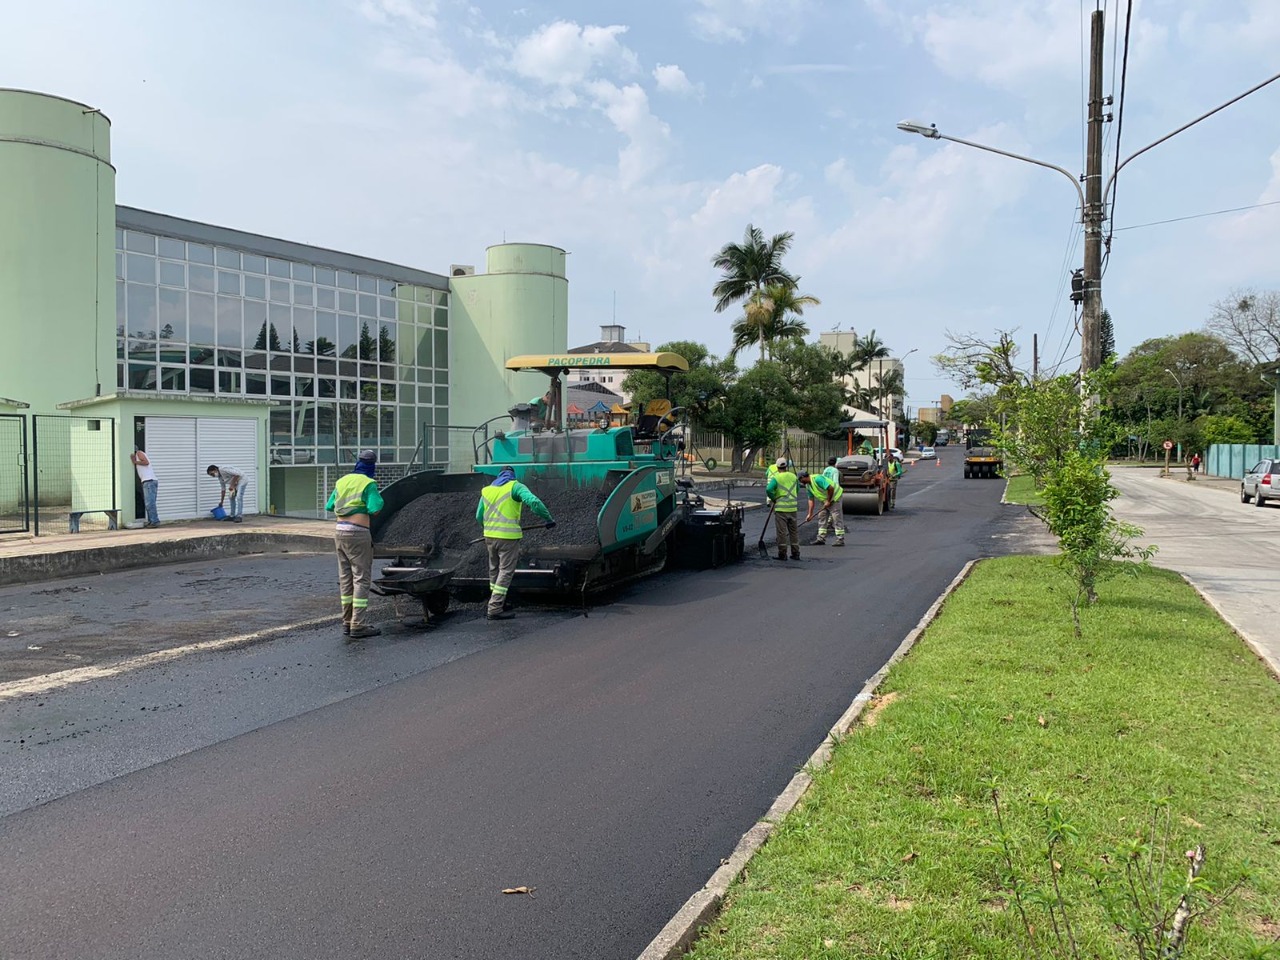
{"x": 1261, "y": 483}
{"x": 928, "y": 453}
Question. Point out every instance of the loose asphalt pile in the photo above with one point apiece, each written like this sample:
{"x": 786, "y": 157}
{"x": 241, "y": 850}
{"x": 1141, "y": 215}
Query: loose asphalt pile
{"x": 444, "y": 523}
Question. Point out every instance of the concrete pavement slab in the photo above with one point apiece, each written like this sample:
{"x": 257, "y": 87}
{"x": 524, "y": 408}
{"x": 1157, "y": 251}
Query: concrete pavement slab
{"x": 1228, "y": 550}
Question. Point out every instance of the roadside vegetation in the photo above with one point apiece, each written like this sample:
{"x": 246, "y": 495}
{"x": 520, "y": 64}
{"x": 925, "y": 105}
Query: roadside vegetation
{"x": 1113, "y": 754}
{"x": 1021, "y": 488}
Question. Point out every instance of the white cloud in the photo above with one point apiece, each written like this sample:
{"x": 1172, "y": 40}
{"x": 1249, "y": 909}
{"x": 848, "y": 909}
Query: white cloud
{"x": 671, "y": 79}
{"x": 628, "y": 109}
{"x": 564, "y": 54}
{"x": 415, "y": 13}
{"x": 737, "y": 20}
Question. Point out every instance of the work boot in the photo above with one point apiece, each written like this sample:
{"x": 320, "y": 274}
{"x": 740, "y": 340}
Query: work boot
{"x": 795, "y": 555}
{"x": 500, "y": 615}
{"x": 782, "y": 556}
{"x": 819, "y": 542}
{"x": 346, "y": 629}
{"x": 360, "y": 633}
{"x": 839, "y": 541}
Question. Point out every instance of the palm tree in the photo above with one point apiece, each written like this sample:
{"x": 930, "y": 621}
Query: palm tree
{"x": 865, "y": 350}
{"x": 747, "y": 270}
{"x": 770, "y": 317}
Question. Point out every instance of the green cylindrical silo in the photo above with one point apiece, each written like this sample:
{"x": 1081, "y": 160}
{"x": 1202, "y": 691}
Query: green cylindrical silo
{"x": 57, "y": 250}
{"x": 520, "y": 305}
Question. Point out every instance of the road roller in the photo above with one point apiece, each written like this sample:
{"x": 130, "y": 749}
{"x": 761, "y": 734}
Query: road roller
{"x": 865, "y": 477}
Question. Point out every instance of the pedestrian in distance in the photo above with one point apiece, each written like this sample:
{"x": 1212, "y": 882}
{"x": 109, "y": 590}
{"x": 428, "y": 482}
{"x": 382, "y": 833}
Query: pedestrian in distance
{"x": 233, "y": 484}
{"x": 355, "y": 499}
{"x": 150, "y": 487}
{"x": 1195, "y": 463}
{"x": 783, "y": 491}
{"x": 501, "y": 506}
{"x": 823, "y": 490}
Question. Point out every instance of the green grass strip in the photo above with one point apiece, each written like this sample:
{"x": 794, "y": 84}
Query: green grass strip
{"x": 891, "y": 854}
{"x": 1022, "y": 489}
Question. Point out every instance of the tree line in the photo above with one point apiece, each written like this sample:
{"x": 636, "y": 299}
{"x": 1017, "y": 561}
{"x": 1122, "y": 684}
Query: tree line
{"x": 792, "y": 383}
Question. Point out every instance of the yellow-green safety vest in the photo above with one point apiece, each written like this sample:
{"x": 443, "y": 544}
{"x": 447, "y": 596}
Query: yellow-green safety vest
{"x": 348, "y": 494}
{"x": 787, "y": 485}
{"x": 819, "y": 494}
{"x": 501, "y": 512}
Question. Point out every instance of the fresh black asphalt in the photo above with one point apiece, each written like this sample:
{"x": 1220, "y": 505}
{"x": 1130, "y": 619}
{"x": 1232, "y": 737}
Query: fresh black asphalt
{"x": 307, "y": 799}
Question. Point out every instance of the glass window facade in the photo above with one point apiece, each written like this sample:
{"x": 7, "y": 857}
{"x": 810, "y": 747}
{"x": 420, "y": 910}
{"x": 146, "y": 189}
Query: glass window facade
{"x": 351, "y": 359}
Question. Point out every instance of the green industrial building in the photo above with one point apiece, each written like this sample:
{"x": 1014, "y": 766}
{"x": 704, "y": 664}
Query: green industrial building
{"x": 201, "y": 344}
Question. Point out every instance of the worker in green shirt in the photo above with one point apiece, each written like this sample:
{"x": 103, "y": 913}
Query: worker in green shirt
{"x": 354, "y": 499}
{"x": 501, "y": 505}
{"x": 867, "y": 449}
{"x": 895, "y": 471}
{"x": 827, "y": 496}
{"x": 782, "y": 492}
{"x": 831, "y": 472}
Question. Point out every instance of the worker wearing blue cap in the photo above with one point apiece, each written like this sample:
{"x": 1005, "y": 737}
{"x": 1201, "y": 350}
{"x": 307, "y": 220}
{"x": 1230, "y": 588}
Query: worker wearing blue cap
{"x": 501, "y": 505}
{"x": 354, "y": 499}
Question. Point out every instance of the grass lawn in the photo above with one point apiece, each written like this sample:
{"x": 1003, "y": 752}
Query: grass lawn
{"x": 892, "y": 853}
{"x": 1022, "y": 489}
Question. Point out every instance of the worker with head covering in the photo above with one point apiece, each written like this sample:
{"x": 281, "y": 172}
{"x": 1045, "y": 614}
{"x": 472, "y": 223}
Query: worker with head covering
{"x": 354, "y": 499}
{"x": 827, "y": 495}
{"x": 501, "y": 505}
{"x": 894, "y": 469}
{"x": 782, "y": 492}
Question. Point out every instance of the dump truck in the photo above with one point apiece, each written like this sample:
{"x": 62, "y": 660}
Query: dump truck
{"x": 621, "y": 510}
{"x": 981, "y": 457}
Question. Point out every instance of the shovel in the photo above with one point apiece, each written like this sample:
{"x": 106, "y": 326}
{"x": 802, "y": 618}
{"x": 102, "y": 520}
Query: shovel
{"x": 760, "y": 546}
{"x": 536, "y": 526}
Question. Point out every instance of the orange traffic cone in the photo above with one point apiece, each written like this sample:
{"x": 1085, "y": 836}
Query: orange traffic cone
{"x": 939, "y": 461}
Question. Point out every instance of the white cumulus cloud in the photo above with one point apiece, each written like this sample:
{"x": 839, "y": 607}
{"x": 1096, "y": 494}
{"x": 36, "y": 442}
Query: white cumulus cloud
{"x": 671, "y": 79}
{"x": 564, "y": 54}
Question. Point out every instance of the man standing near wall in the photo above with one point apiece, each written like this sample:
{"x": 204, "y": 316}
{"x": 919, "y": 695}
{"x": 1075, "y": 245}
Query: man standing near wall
{"x": 234, "y": 483}
{"x": 501, "y": 505}
{"x": 147, "y": 476}
{"x": 354, "y": 499}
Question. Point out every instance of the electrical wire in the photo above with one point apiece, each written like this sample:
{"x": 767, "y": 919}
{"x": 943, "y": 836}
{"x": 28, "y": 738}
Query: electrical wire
{"x": 1197, "y": 216}
{"x": 1115, "y": 186}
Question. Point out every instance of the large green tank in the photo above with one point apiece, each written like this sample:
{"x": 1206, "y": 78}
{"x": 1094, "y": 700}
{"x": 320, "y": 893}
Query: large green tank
{"x": 57, "y": 250}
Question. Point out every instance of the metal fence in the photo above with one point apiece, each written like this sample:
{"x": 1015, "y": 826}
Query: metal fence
{"x": 73, "y": 471}
{"x": 1233, "y": 459}
{"x": 15, "y": 500}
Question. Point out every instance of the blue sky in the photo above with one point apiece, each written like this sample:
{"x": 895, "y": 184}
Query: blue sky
{"x": 642, "y": 137}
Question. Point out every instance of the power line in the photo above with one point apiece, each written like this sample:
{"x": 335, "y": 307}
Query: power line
{"x": 1124, "y": 76}
{"x": 1196, "y": 216}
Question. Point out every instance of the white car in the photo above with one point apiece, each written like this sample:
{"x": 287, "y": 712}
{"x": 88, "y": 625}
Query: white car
{"x": 1261, "y": 483}
{"x": 928, "y": 453}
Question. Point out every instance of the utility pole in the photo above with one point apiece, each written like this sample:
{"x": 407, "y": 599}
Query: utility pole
{"x": 1035, "y": 357}
{"x": 1093, "y": 213}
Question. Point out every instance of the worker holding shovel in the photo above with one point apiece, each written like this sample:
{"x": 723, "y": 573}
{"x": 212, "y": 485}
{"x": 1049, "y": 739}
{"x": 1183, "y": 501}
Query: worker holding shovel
{"x": 823, "y": 490}
{"x": 781, "y": 490}
{"x": 501, "y": 505}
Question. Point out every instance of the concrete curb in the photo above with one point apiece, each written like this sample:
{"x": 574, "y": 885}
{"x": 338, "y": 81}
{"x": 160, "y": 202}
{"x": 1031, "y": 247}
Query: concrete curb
{"x": 1249, "y": 641}
{"x": 683, "y": 929}
{"x": 37, "y": 568}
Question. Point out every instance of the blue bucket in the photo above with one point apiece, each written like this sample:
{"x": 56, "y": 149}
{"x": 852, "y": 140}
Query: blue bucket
{"x": 218, "y": 513}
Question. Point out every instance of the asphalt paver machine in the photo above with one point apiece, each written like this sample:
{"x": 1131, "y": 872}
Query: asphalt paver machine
{"x": 612, "y": 487}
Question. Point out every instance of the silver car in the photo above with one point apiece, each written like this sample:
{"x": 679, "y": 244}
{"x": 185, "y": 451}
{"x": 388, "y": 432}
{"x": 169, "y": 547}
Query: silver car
{"x": 1261, "y": 483}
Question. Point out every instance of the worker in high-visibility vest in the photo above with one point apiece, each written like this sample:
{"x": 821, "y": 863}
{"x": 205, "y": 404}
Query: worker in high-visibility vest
{"x": 501, "y": 505}
{"x": 782, "y": 492}
{"x": 895, "y": 471}
{"x": 826, "y": 496}
{"x": 354, "y": 500}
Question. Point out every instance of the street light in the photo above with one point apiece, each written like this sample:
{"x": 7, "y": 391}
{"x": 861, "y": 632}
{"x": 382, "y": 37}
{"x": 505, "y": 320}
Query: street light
{"x": 880, "y": 375}
{"x": 1092, "y": 215}
{"x": 1178, "y": 381}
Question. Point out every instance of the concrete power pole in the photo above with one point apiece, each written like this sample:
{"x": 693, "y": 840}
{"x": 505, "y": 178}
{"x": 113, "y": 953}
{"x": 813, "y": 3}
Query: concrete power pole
{"x": 1094, "y": 213}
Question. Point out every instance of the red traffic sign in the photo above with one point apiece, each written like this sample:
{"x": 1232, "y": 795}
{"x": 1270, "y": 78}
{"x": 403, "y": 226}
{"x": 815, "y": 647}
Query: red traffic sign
{"x": 1168, "y": 444}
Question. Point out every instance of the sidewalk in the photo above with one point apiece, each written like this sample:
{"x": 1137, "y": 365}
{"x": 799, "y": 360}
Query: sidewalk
{"x": 1229, "y": 551}
{"x": 25, "y": 558}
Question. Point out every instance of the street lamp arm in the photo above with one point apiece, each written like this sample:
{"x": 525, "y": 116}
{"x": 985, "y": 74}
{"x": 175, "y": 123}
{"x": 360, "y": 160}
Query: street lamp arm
{"x": 1204, "y": 116}
{"x": 1075, "y": 181}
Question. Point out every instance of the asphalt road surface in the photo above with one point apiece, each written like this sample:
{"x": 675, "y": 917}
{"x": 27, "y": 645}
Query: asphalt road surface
{"x": 306, "y": 798}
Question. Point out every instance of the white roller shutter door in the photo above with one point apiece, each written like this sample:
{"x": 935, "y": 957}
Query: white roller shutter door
{"x": 227, "y": 443}
{"x": 171, "y": 448}
{"x": 181, "y": 449}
